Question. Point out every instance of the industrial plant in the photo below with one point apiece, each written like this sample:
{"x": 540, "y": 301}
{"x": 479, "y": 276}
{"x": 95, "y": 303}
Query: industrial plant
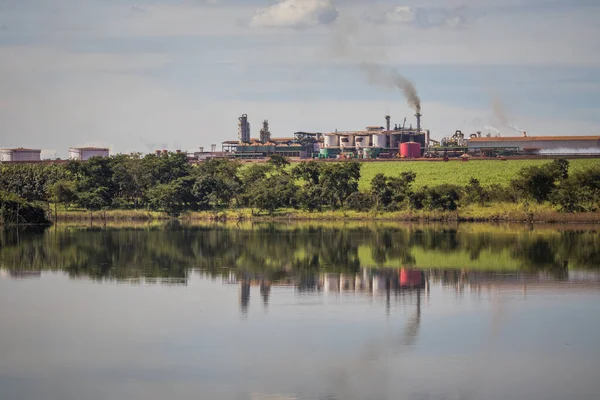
{"x": 377, "y": 142}
{"x": 301, "y": 145}
{"x": 371, "y": 143}
{"x": 399, "y": 142}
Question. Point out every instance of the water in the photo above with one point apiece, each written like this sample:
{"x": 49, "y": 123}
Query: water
{"x": 300, "y": 312}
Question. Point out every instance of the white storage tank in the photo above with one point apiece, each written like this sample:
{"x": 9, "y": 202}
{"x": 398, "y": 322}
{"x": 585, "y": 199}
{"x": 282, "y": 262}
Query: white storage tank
{"x": 20, "y": 154}
{"x": 360, "y": 142}
{"x": 331, "y": 140}
{"x": 380, "y": 141}
{"x": 345, "y": 141}
{"x": 331, "y": 282}
{"x": 85, "y": 153}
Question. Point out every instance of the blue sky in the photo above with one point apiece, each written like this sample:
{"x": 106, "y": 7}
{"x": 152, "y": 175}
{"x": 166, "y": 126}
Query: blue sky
{"x": 140, "y": 75}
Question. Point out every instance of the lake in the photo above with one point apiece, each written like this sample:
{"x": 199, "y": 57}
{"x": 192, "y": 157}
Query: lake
{"x": 300, "y": 311}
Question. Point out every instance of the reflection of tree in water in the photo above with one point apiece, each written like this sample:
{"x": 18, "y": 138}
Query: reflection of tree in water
{"x": 389, "y": 245}
{"x": 274, "y": 250}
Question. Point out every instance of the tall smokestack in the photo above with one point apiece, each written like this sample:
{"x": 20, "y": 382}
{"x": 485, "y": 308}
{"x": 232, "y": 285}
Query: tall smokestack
{"x": 387, "y": 122}
{"x": 418, "y": 115}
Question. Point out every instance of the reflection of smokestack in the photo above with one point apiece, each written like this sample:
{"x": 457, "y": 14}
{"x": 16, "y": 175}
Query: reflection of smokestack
{"x": 244, "y": 295}
{"x": 387, "y": 122}
{"x": 418, "y": 115}
{"x": 265, "y": 289}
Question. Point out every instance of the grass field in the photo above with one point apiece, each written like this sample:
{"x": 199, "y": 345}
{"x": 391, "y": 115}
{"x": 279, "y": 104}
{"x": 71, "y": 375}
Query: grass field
{"x": 456, "y": 172}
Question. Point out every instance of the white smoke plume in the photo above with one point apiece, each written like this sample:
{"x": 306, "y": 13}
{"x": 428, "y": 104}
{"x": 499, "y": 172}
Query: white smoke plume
{"x": 515, "y": 128}
{"x": 491, "y": 128}
{"x": 561, "y": 151}
{"x": 500, "y": 114}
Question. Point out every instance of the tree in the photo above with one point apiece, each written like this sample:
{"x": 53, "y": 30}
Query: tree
{"x": 537, "y": 183}
{"x": 390, "y": 193}
{"x": 438, "y": 198}
{"x": 128, "y": 180}
{"x": 558, "y": 168}
{"x": 475, "y": 193}
{"x": 62, "y": 192}
{"x": 359, "y": 201}
{"x": 339, "y": 181}
{"x": 277, "y": 191}
{"x": 174, "y": 197}
{"x": 579, "y": 192}
{"x": 534, "y": 183}
{"x": 309, "y": 171}
{"x": 16, "y": 210}
{"x": 278, "y": 161}
{"x": 217, "y": 183}
{"x": 249, "y": 177}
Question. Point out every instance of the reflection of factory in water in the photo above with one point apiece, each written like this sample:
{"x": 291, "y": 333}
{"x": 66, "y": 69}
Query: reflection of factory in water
{"x": 383, "y": 283}
{"x": 368, "y": 281}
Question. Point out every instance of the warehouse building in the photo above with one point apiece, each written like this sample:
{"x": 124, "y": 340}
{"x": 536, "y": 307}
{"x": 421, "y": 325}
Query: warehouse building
{"x": 85, "y": 153}
{"x": 536, "y": 144}
{"x": 20, "y": 154}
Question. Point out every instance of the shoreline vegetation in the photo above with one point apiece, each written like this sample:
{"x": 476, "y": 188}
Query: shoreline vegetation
{"x": 498, "y": 213}
{"x": 166, "y": 187}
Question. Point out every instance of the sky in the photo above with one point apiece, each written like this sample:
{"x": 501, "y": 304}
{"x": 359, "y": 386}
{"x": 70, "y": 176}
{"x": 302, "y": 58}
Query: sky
{"x": 176, "y": 74}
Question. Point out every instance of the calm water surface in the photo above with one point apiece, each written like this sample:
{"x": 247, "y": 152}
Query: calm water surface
{"x": 300, "y": 312}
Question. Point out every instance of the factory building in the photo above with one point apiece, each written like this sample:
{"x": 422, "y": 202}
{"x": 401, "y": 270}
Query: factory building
{"x": 301, "y": 145}
{"x": 535, "y": 144}
{"x": 85, "y": 153}
{"x": 377, "y": 141}
{"x": 20, "y": 154}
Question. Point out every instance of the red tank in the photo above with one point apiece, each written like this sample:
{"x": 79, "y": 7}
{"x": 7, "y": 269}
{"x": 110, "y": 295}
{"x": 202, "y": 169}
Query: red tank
{"x": 410, "y": 277}
{"x": 410, "y": 150}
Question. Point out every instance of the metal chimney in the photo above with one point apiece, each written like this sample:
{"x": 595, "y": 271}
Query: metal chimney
{"x": 387, "y": 122}
{"x": 418, "y": 115}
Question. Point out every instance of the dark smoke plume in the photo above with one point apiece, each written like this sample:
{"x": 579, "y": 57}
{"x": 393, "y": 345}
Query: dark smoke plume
{"x": 379, "y": 75}
{"x": 345, "y": 47}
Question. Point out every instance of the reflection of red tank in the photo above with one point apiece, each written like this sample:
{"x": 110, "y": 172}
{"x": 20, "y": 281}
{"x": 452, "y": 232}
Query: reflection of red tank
{"x": 410, "y": 150}
{"x": 411, "y": 277}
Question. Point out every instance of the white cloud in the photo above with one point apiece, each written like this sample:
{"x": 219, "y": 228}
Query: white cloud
{"x": 295, "y": 14}
{"x": 400, "y": 14}
{"x": 424, "y": 17}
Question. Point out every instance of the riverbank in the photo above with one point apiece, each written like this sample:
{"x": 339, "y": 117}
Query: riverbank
{"x": 502, "y": 212}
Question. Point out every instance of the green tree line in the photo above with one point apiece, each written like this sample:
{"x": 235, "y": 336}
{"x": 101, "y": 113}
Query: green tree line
{"x": 170, "y": 183}
{"x": 173, "y": 250}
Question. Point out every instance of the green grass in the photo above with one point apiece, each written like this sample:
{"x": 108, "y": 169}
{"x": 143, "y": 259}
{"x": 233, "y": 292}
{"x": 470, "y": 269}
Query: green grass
{"x": 486, "y": 260}
{"x": 456, "y": 172}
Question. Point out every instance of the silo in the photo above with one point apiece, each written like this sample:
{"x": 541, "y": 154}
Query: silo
{"x": 345, "y": 141}
{"x": 359, "y": 142}
{"x": 331, "y": 140}
{"x": 380, "y": 141}
{"x": 410, "y": 150}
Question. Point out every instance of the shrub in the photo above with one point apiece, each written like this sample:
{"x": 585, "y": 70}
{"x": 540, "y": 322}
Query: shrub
{"x": 359, "y": 201}
{"x": 475, "y": 193}
{"x": 14, "y": 209}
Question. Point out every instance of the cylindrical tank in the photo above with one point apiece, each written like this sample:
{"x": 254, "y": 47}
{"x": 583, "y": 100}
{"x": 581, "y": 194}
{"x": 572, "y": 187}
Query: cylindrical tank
{"x": 345, "y": 141}
{"x": 410, "y": 277}
{"x": 359, "y": 141}
{"x": 331, "y": 141}
{"x": 410, "y": 150}
{"x": 379, "y": 141}
{"x": 331, "y": 282}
